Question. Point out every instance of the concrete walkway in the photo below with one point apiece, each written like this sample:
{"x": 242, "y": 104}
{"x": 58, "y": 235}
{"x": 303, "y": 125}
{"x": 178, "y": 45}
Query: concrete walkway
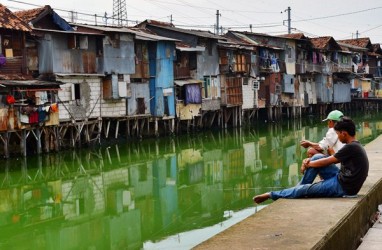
{"x": 324, "y": 223}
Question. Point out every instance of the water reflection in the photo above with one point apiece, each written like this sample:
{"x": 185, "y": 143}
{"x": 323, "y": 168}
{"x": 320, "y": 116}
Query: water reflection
{"x": 122, "y": 196}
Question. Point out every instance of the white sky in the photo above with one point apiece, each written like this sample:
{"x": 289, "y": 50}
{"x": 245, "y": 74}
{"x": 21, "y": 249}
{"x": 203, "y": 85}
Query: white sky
{"x": 338, "y": 18}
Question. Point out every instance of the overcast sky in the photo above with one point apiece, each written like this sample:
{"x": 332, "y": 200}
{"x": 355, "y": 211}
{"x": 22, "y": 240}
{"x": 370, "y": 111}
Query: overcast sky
{"x": 338, "y": 18}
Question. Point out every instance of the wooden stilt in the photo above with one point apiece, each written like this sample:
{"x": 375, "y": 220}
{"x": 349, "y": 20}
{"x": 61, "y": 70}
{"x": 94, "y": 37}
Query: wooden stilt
{"x": 23, "y": 143}
{"x": 116, "y": 130}
{"x": 156, "y": 127}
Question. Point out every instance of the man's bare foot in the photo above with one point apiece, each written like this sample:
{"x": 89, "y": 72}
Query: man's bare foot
{"x": 261, "y": 198}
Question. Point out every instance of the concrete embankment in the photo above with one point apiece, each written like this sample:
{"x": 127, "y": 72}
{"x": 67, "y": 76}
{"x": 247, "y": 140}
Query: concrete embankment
{"x": 324, "y": 223}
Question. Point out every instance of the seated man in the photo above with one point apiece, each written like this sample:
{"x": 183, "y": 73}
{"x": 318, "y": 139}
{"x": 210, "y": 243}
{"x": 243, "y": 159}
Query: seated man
{"x": 330, "y": 143}
{"x": 347, "y": 181}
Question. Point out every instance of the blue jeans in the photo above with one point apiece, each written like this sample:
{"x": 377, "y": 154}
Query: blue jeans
{"x": 329, "y": 187}
{"x": 326, "y": 188}
{"x": 324, "y": 172}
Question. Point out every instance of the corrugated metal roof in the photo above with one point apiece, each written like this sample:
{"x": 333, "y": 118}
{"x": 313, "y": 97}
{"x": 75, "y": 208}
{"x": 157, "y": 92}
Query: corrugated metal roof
{"x": 189, "y": 48}
{"x": 245, "y": 37}
{"x": 68, "y": 32}
{"x": 199, "y": 33}
{"x": 140, "y": 34}
{"x": 30, "y": 83}
{"x": 9, "y": 20}
{"x": 231, "y": 43}
{"x": 360, "y": 42}
{"x": 298, "y": 36}
{"x": 187, "y": 81}
{"x": 348, "y": 47}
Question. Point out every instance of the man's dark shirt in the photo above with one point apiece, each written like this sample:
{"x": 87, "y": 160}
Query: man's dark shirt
{"x": 354, "y": 167}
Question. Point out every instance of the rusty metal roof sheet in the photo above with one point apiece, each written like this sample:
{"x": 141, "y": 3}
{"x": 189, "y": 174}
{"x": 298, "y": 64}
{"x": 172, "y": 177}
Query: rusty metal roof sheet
{"x": 140, "y": 34}
{"x": 360, "y": 42}
{"x": 298, "y": 36}
{"x": 349, "y": 47}
{"x": 245, "y": 38}
{"x": 167, "y": 26}
{"x": 9, "y": 20}
{"x": 186, "y": 47}
{"x": 30, "y": 83}
{"x": 232, "y": 43}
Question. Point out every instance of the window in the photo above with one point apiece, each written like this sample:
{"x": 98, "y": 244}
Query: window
{"x": 76, "y": 91}
{"x": 99, "y": 46}
{"x": 116, "y": 40}
{"x": 289, "y": 52}
{"x": 141, "y": 106}
{"x": 78, "y": 42}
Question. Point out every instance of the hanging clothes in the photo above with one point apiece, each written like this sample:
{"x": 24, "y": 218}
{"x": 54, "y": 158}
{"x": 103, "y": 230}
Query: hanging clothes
{"x": 314, "y": 57}
{"x": 193, "y": 94}
{"x": 33, "y": 117}
{"x": 41, "y": 114}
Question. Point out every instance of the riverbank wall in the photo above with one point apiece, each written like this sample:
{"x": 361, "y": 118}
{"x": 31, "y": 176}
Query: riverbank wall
{"x": 320, "y": 223}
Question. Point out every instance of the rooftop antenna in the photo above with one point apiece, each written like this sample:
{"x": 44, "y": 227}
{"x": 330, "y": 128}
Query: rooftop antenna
{"x": 119, "y": 12}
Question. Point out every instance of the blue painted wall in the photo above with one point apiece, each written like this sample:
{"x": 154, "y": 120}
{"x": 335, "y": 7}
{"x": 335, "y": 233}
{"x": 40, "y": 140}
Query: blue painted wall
{"x": 161, "y": 59}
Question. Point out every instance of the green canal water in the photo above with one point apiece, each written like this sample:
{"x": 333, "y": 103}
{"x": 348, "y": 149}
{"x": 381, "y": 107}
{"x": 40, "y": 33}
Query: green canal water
{"x": 164, "y": 193}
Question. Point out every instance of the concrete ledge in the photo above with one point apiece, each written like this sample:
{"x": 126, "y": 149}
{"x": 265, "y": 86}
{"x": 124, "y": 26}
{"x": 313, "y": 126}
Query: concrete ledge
{"x": 325, "y": 223}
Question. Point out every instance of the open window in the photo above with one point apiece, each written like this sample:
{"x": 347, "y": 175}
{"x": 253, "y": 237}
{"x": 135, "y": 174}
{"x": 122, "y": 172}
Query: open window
{"x": 78, "y": 42}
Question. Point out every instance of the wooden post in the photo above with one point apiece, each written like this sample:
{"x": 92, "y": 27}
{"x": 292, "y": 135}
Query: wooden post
{"x": 128, "y": 127}
{"x": 156, "y": 127}
{"x": 5, "y": 139}
{"x": 56, "y": 138}
{"x": 23, "y": 143}
{"x": 38, "y": 139}
{"x": 72, "y": 137}
{"x": 116, "y": 130}
{"x": 107, "y": 129}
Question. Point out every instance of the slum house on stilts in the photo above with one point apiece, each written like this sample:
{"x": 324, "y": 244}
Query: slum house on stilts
{"x": 70, "y": 57}
{"x": 146, "y": 104}
{"x": 331, "y": 79}
{"x": 28, "y": 106}
{"x": 366, "y": 82}
{"x": 196, "y": 69}
{"x": 239, "y": 60}
{"x": 270, "y": 69}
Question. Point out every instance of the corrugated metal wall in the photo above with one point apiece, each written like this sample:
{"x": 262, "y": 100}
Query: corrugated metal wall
{"x": 288, "y": 83}
{"x": 161, "y": 57}
{"x": 342, "y": 92}
{"x": 118, "y": 60}
{"x": 208, "y": 64}
{"x": 324, "y": 89}
{"x": 138, "y": 90}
